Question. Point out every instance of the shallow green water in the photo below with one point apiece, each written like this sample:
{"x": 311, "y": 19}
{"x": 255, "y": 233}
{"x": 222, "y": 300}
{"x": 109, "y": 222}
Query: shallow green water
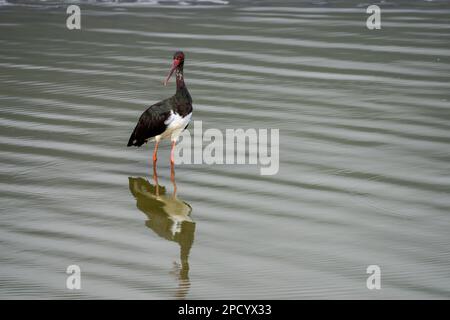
{"x": 364, "y": 152}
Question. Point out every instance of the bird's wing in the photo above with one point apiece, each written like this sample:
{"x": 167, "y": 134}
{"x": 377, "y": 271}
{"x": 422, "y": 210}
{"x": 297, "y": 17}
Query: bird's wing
{"x": 150, "y": 124}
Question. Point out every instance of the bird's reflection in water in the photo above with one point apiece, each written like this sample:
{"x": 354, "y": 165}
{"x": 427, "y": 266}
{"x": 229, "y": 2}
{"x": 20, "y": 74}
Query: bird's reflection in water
{"x": 169, "y": 217}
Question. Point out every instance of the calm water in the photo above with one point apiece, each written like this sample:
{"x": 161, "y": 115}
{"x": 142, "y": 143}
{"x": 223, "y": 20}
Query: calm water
{"x": 364, "y": 179}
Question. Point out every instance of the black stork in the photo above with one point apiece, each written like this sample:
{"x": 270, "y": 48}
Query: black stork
{"x": 167, "y": 118}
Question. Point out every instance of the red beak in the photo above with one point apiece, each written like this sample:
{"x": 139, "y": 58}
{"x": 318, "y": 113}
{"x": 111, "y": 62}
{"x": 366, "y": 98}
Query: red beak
{"x": 175, "y": 64}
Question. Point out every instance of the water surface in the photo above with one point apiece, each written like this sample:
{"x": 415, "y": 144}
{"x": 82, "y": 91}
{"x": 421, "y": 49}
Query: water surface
{"x": 364, "y": 151}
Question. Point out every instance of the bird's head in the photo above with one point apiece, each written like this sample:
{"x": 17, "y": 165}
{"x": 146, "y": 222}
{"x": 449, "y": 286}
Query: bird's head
{"x": 177, "y": 63}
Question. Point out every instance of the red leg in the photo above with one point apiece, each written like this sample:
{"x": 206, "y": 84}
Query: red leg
{"x": 155, "y": 152}
{"x": 172, "y": 157}
{"x": 172, "y": 169}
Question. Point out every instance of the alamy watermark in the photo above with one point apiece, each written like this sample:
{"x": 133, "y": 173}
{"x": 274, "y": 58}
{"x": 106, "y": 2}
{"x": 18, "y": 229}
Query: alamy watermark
{"x": 374, "y": 280}
{"x": 234, "y": 146}
{"x": 73, "y": 281}
{"x": 374, "y": 20}
{"x": 73, "y": 22}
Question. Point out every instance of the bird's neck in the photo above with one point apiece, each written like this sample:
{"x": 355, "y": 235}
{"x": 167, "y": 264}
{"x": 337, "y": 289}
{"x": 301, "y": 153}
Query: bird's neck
{"x": 182, "y": 92}
{"x": 180, "y": 79}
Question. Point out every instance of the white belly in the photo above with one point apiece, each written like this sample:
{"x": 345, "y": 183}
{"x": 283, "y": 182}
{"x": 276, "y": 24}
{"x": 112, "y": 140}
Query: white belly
{"x": 175, "y": 125}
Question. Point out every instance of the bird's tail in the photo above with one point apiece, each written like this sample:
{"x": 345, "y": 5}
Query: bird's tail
{"x": 134, "y": 141}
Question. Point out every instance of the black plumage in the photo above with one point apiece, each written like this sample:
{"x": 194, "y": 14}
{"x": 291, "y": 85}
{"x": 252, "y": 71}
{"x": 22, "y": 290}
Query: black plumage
{"x": 150, "y": 124}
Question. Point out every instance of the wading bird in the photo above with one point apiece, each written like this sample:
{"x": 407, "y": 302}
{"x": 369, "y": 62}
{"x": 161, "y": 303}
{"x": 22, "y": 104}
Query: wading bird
{"x": 168, "y": 118}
